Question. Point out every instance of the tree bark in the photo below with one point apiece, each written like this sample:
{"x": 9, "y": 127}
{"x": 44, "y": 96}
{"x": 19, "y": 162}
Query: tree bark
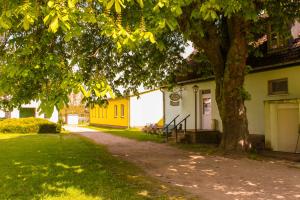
{"x": 229, "y": 64}
{"x": 230, "y": 89}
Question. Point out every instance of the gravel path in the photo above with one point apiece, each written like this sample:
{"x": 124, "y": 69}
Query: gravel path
{"x": 211, "y": 177}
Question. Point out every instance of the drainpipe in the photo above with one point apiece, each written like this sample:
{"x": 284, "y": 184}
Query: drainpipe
{"x": 195, "y": 89}
{"x": 164, "y": 106}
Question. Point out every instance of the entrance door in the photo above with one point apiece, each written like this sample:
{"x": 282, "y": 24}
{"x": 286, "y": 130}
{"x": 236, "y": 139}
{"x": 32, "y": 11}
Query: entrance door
{"x": 206, "y": 110}
{"x": 288, "y": 120}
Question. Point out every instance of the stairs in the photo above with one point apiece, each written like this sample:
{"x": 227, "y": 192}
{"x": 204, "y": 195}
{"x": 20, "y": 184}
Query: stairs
{"x": 202, "y": 136}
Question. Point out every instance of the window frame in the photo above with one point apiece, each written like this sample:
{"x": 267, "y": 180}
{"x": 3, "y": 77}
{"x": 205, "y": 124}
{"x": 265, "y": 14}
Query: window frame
{"x": 270, "y": 87}
{"x": 122, "y": 112}
{"x": 115, "y": 111}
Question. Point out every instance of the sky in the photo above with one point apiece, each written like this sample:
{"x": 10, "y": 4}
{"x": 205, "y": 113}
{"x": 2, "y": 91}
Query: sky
{"x": 188, "y": 50}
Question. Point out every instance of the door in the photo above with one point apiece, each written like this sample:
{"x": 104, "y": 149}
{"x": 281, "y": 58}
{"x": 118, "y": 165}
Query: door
{"x": 206, "y": 111}
{"x": 288, "y": 120}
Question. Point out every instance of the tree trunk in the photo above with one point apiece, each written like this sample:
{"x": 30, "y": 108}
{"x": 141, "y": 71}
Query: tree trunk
{"x": 226, "y": 48}
{"x": 230, "y": 90}
{"x": 229, "y": 63}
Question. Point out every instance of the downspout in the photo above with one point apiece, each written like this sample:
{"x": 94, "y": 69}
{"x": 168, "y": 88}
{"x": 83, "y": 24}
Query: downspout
{"x": 164, "y": 107}
{"x": 128, "y": 106}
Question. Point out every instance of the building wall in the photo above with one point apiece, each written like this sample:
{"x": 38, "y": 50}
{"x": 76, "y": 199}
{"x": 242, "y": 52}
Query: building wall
{"x": 106, "y": 116}
{"x": 147, "y": 109}
{"x": 187, "y": 104}
{"x": 255, "y": 83}
{"x": 15, "y": 113}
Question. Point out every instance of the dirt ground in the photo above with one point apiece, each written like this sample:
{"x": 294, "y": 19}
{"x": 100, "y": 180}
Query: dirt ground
{"x": 208, "y": 177}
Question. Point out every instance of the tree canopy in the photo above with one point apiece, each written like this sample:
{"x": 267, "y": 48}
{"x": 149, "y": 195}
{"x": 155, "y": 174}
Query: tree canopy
{"x": 108, "y": 43}
{"x": 52, "y": 48}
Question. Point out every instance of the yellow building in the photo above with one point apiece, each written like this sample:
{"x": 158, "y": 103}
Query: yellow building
{"x": 116, "y": 114}
{"x": 130, "y": 111}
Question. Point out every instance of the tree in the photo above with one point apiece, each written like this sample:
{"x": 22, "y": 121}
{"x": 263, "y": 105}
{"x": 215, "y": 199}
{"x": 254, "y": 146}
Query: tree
{"x": 223, "y": 30}
{"x": 46, "y": 61}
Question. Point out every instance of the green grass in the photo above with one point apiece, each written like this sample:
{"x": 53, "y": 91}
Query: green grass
{"x": 54, "y": 167}
{"x": 135, "y": 134}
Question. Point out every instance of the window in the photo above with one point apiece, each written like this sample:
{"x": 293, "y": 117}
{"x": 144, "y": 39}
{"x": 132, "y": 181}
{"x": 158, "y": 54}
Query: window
{"x": 27, "y": 112}
{"x": 102, "y": 109}
{"x": 98, "y": 112}
{"x": 106, "y": 113}
{"x": 122, "y": 110}
{"x": 278, "y": 86}
{"x": 115, "y": 111}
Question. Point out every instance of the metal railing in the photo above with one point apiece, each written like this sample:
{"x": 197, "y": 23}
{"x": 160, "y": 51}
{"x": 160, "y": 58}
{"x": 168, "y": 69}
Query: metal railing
{"x": 176, "y": 130}
{"x": 173, "y": 121}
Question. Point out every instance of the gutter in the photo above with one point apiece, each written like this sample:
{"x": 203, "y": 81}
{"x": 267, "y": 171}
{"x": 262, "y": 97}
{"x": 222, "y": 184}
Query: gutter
{"x": 257, "y": 70}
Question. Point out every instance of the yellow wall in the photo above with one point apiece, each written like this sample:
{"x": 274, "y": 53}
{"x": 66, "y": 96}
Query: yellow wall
{"x": 108, "y": 118}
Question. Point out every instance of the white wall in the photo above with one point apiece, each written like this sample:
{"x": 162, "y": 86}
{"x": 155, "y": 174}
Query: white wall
{"x": 255, "y": 83}
{"x": 54, "y": 117}
{"x": 147, "y": 109}
{"x": 2, "y": 114}
{"x": 187, "y": 104}
{"x": 16, "y": 113}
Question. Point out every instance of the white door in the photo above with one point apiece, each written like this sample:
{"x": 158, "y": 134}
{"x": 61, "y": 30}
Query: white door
{"x": 288, "y": 120}
{"x": 206, "y": 111}
{"x": 72, "y": 119}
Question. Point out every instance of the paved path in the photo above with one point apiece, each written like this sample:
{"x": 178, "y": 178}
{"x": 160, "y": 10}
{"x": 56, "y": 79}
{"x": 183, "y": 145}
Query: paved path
{"x": 211, "y": 177}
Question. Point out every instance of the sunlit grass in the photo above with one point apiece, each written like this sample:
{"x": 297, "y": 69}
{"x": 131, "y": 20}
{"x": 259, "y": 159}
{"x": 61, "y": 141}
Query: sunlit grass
{"x": 135, "y": 134}
{"x": 56, "y": 167}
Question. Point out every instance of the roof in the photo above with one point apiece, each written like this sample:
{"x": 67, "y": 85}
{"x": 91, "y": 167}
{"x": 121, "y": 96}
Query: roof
{"x": 282, "y": 58}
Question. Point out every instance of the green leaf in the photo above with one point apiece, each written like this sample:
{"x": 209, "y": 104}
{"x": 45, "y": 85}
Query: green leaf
{"x": 162, "y": 23}
{"x": 84, "y": 92}
{"x": 110, "y": 4}
{"x": 117, "y": 6}
{"x": 54, "y": 25}
{"x": 152, "y": 39}
{"x": 26, "y": 24}
{"x": 46, "y": 19}
{"x": 5, "y": 23}
{"x": 141, "y": 3}
{"x": 71, "y": 3}
{"x": 50, "y": 4}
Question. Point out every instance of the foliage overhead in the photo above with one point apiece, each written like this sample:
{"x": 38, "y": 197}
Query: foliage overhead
{"x": 52, "y": 47}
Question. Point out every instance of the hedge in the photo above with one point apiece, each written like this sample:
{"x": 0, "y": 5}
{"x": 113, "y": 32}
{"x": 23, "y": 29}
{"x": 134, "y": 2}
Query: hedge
{"x": 28, "y": 125}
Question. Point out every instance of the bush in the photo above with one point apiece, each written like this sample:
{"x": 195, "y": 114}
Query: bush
{"x": 28, "y": 125}
{"x": 152, "y": 129}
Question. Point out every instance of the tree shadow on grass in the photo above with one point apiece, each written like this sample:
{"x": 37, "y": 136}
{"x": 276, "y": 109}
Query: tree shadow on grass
{"x": 67, "y": 167}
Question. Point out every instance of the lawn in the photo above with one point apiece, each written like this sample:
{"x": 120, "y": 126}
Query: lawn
{"x": 135, "y": 134}
{"x": 54, "y": 167}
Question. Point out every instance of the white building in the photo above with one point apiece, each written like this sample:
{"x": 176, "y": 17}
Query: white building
{"x": 273, "y": 111}
{"x": 30, "y": 110}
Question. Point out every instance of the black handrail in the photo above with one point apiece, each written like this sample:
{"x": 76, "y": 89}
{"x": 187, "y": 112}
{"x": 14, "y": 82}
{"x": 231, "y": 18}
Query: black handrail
{"x": 167, "y": 126}
{"x": 184, "y": 120}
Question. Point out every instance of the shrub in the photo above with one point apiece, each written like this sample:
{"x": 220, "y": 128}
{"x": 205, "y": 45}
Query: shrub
{"x": 152, "y": 129}
{"x": 28, "y": 125}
